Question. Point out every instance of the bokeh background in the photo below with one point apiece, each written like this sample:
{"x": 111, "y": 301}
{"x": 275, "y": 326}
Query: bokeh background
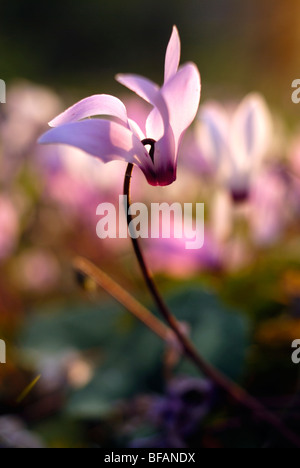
{"x": 104, "y": 379}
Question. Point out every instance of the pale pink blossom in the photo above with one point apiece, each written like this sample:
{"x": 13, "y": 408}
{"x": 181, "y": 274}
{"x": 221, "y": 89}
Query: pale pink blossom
{"x": 175, "y": 105}
{"x": 171, "y": 257}
{"x": 9, "y": 227}
{"x": 232, "y": 145}
{"x": 269, "y": 208}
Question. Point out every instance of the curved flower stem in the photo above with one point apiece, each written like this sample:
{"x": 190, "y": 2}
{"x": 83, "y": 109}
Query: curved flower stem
{"x": 236, "y": 393}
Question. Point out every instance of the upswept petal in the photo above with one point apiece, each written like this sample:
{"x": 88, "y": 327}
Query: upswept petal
{"x": 172, "y": 55}
{"x": 154, "y": 125}
{"x": 251, "y": 132}
{"x": 212, "y": 133}
{"x": 101, "y": 104}
{"x": 103, "y": 139}
{"x": 143, "y": 87}
{"x": 182, "y": 95}
{"x": 148, "y": 91}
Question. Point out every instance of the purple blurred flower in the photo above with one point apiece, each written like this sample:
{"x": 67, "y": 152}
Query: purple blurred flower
{"x": 232, "y": 146}
{"x": 175, "y": 105}
{"x": 294, "y": 156}
{"x": 268, "y": 208}
{"x": 179, "y": 414}
{"x": 14, "y": 434}
{"x": 77, "y": 183}
{"x": 266, "y": 214}
{"x": 170, "y": 256}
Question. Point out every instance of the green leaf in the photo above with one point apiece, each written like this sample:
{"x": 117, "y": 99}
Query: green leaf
{"x": 220, "y": 334}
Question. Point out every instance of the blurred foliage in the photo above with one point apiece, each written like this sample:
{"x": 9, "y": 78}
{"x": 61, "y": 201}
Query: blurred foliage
{"x": 220, "y": 336}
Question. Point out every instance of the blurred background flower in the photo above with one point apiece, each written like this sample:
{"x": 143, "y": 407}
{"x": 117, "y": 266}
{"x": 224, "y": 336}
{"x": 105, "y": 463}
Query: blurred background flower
{"x": 233, "y": 144}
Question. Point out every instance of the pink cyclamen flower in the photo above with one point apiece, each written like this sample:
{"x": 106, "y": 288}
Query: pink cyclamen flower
{"x": 234, "y": 144}
{"x": 170, "y": 256}
{"x": 175, "y": 106}
{"x": 269, "y": 207}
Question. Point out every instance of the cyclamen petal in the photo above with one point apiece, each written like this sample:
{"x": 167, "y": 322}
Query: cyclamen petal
{"x": 174, "y": 108}
{"x": 235, "y": 142}
{"x": 101, "y": 104}
{"x": 182, "y": 94}
{"x": 251, "y": 131}
{"x": 213, "y": 134}
{"x": 172, "y": 55}
{"x": 136, "y": 129}
{"x": 103, "y": 139}
{"x": 148, "y": 91}
{"x": 155, "y": 125}
{"x": 165, "y": 160}
{"x": 143, "y": 87}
